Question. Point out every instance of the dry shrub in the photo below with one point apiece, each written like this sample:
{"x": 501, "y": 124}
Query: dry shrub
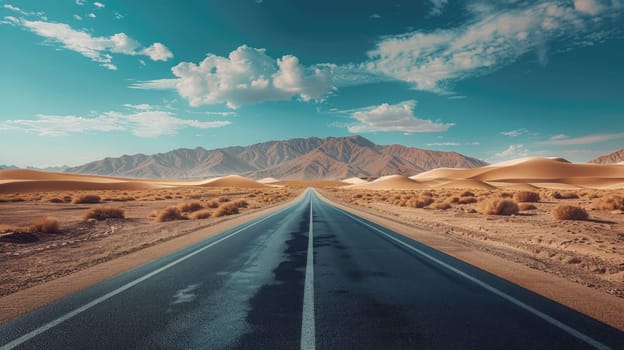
{"x": 223, "y": 199}
{"x": 467, "y": 200}
{"x": 226, "y": 209}
{"x": 200, "y": 214}
{"x": 420, "y": 202}
{"x": 614, "y": 202}
{"x": 565, "y": 195}
{"x": 55, "y": 200}
{"x": 86, "y": 199}
{"x": 467, "y": 194}
{"x": 569, "y": 212}
{"x": 170, "y": 214}
{"x": 527, "y": 196}
{"x": 499, "y": 206}
{"x": 190, "y": 206}
{"x": 103, "y": 213}
{"x": 47, "y": 225}
{"x": 212, "y": 204}
{"x": 526, "y": 206}
{"x": 441, "y": 205}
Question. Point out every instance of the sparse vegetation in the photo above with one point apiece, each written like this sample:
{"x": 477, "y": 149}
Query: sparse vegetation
{"x": 440, "y": 205}
{"x": 190, "y": 206}
{"x": 46, "y": 225}
{"x": 86, "y": 199}
{"x": 613, "y": 202}
{"x": 527, "y": 196}
{"x": 499, "y": 206}
{"x": 201, "y": 214}
{"x": 569, "y": 212}
{"x": 226, "y": 209}
{"x": 565, "y": 195}
{"x": 526, "y": 206}
{"x": 170, "y": 214}
{"x": 103, "y": 213}
{"x": 467, "y": 200}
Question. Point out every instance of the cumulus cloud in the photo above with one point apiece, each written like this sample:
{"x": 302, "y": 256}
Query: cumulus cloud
{"x": 143, "y": 124}
{"x": 496, "y": 37}
{"x": 248, "y": 75}
{"x": 98, "y": 49}
{"x": 99, "y": 5}
{"x": 397, "y": 117}
{"x": 513, "y": 151}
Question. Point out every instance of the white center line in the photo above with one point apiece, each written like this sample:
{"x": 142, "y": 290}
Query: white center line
{"x": 26, "y": 337}
{"x": 308, "y": 337}
{"x": 553, "y": 321}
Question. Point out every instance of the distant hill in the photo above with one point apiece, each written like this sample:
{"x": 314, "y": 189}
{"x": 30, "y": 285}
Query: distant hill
{"x": 612, "y": 158}
{"x": 2, "y": 166}
{"x": 309, "y": 158}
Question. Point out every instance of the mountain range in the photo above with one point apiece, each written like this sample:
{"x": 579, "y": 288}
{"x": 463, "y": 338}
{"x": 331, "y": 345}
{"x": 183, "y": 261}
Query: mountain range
{"x": 301, "y": 158}
{"x": 612, "y": 158}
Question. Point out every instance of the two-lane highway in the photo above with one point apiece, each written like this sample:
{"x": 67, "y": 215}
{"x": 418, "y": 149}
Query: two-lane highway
{"x": 309, "y": 276}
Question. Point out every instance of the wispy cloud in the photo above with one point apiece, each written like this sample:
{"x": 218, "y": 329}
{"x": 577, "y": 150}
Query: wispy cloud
{"x": 22, "y": 12}
{"x": 248, "y": 75}
{"x": 453, "y": 144}
{"x": 515, "y": 133}
{"x": 494, "y": 38}
{"x": 99, "y": 5}
{"x": 397, "y": 117}
{"x": 98, "y": 49}
{"x": 563, "y": 140}
{"x": 375, "y": 16}
{"x": 437, "y": 6}
{"x": 512, "y": 152}
{"x": 144, "y": 123}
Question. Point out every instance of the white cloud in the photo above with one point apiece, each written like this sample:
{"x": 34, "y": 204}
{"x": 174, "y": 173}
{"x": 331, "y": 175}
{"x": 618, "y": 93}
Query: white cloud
{"x": 80, "y": 2}
{"x": 375, "y": 16}
{"x": 157, "y": 52}
{"x": 22, "y": 12}
{"x": 78, "y": 17}
{"x": 139, "y": 107}
{"x": 515, "y": 133}
{"x": 248, "y": 75}
{"x": 590, "y": 7}
{"x": 495, "y": 37}
{"x": 513, "y": 151}
{"x": 98, "y": 5}
{"x": 444, "y": 144}
{"x": 118, "y": 15}
{"x": 397, "y": 117}
{"x": 91, "y": 15}
{"x": 142, "y": 124}
{"x": 563, "y": 140}
{"x": 98, "y": 49}
{"x": 437, "y": 6}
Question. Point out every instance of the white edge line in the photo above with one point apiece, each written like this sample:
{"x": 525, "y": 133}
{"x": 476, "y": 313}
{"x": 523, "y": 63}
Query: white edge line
{"x": 587, "y": 339}
{"x": 308, "y": 336}
{"x": 26, "y": 337}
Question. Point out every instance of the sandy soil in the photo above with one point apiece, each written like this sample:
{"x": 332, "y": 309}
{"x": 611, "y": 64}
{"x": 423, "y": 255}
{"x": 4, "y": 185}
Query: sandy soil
{"x": 28, "y": 259}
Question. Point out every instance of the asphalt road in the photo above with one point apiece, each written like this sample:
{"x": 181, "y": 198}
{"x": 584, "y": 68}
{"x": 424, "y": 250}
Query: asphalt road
{"x": 267, "y": 285}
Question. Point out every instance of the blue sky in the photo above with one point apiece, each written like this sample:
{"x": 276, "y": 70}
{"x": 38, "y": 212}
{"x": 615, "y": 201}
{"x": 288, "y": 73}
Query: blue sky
{"x": 82, "y": 80}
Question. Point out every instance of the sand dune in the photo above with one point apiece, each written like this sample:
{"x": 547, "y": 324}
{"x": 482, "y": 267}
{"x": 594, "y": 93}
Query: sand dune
{"x": 354, "y": 181}
{"x": 268, "y": 180}
{"x": 23, "y": 180}
{"x": 397, "y": 182}
{"x": 525, "y": 173}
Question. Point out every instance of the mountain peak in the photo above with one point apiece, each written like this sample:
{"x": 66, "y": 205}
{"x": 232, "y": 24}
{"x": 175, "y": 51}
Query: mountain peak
{"x": 611, "y": 158}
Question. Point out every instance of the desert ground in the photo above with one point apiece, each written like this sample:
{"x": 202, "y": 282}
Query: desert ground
{"x": 549, "y": 215}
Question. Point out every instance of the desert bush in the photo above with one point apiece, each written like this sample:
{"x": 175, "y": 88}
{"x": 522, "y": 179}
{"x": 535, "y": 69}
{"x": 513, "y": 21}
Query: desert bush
{"x": 569, "y": 212}
{"x": 420, "y": 202}
{"x": 613, "y": 202}
{"x": 565, "y": 195}
{"x": 241, "y": 203}
{"x": 55, "y": 200}
{"x": 190, "y": 206}
{"x": 499, "y": 206}
{"x": 526, "y": 206}
{"x": 200, "y": 214}
{"x": 170, "y": 214}
{"x": 441, "y": 205}
{"x": 467, "y": 194}
{"x": 527, "y": 196}
{"x": 506, "y": 194}
{"x": 103, "y": 213}
{"x": 46, "y": 225}
{"x": 467, "y": 200}
{"x": 223, "y": 199}
{"x": 226, "y": 209}
{"x": 86, "y": 199}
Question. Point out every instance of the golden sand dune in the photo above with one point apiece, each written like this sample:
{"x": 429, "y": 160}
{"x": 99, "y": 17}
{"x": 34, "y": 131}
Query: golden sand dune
{"x": 268, "y": 180}
{"x": 354, "y": 181}
{"x": 519, "y": 174}
{"x": 22, "y": 180}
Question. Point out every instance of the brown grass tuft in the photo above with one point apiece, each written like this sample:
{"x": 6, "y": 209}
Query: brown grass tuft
{"x": 467, "y": 194}
{"x": 103, "y": 213}
{"x": 190, "y": 206}
{"x": 526, "y": 206}
{"x": 47, "y": 225}
{"x": 569, "y": 212}
{"x": 565, "y": 195}
{"x": 468, "y": 200}
{"x": 170, "y": 214}
{"x": 613, "y": 202}
{"x": 527, "y": 196}
{"x": 226, "y": 209}
{"x": 201, "y": 214}
{"x": 498, "y": 206}
{"x": 440, "y": 205}
{"x": 55, "y": 200}
{"x": 86, "y": 199}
